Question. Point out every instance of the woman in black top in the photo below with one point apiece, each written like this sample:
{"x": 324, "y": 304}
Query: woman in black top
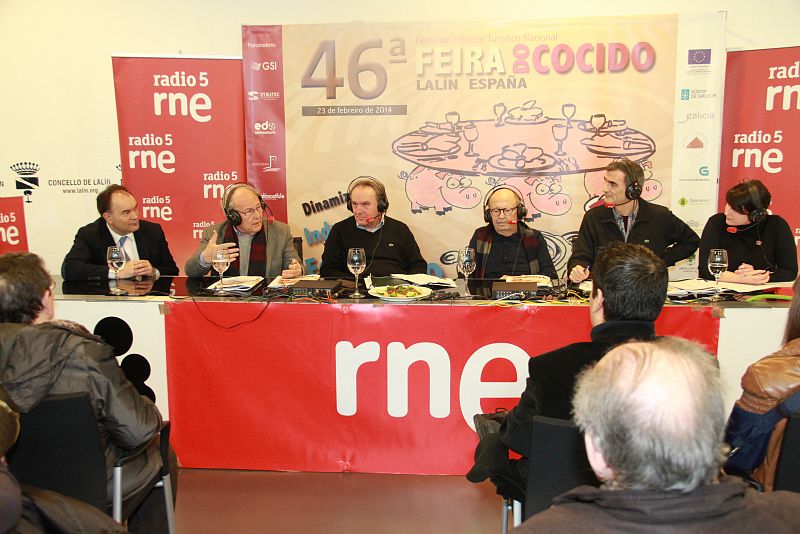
{"x": 761, "y": 247}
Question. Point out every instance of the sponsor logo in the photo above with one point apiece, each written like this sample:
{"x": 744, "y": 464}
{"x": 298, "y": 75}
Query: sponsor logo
{"x": 273, "y": 196}
{"x": 263, "y": 65}
{"x": 261, "y": 45}
{"x": 255, "y": 96}
{"x": 699, "y": 56}
{"x": 696, "y": 115}
{"x": 692, "y": 201}
{"x": 703, "y": 171}
{"x": 694, "y": 143}
{"x": 449, "y": 258}
{"x": 697, "y": 94}
{"x": 269, "y": 166}
{"x": 265, "y": 128}
{"x": 683, "y": 202}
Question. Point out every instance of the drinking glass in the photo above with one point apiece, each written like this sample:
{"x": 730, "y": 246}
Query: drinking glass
{"x": 471, "y": 135}
{"x": 499, "y": 111}
{"x": 466, "y": 265}
{"x": 717, "y": 264}
{"x": 452, "y": 117}
{"x": 356, "y": 262}
{"x": 568, "y": 110}
{"x": 598, "y": 120}
{"x": 115, "y": 259}
{"x": 559, "y": 134}
{"x": 221, "y": 260}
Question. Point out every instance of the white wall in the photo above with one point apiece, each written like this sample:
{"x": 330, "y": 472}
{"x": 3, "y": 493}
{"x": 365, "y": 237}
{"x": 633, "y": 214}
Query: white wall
{"x": 57, "y": 95}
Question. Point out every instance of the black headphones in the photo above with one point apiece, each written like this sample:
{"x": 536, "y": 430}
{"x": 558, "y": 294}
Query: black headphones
{"x": 757, "y": 214}
{"x": 632, "y": 188}
{"x": 522, "y": 211}
{"x": 383, "y": 201}
{"x": 233, "y": 216}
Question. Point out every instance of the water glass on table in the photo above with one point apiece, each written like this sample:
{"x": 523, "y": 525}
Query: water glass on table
{"x": 115, "y": 258}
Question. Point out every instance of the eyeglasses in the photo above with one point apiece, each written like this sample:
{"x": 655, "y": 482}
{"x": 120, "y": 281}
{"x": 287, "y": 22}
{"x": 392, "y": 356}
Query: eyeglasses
{"x": 507, "y": 211}
{"x": 251, "y": 211}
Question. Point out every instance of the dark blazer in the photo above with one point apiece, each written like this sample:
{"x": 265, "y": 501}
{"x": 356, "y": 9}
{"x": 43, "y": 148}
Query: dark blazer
{"x": 86, "y": 260}
{"x": 551, "y": 379}
{"x": 656, "y": 227}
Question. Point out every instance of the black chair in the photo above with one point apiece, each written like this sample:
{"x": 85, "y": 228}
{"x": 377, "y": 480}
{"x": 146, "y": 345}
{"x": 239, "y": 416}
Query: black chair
{"x": 787, "y": 469}
{"x": 557, "y": 463}
{"x": 59, "y": 449}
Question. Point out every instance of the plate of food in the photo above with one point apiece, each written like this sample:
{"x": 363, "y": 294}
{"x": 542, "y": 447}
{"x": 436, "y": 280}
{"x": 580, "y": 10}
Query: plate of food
{"x": 403, "y": 293}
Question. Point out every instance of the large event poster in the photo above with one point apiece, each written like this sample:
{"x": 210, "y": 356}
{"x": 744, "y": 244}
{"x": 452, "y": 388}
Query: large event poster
{"x": 443, "y": 112}
{"x": 181, "y": 136}
{"x": 762, "y": 126}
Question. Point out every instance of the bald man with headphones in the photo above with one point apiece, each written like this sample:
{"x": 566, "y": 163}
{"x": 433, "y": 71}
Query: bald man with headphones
{"x": 627, "y": 218}
{"x": 257, "y": 244}
{"x": 389, "y": 245}
{"x": 506, "y": 245}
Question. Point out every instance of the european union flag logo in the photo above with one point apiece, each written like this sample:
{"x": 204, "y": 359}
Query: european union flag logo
{"x": 700, "y": 56}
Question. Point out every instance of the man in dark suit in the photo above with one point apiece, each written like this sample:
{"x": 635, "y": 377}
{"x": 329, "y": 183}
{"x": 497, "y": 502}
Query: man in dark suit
{"x": 629, "y": 290}
{"x": 143, "y": 242}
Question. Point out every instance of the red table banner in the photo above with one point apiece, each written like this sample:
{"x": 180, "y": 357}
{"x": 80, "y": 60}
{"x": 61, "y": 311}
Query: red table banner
{"x": 181, "y": 139}
{"x": 388, "y": 389}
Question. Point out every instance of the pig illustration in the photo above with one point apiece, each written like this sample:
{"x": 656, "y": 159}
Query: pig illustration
{"x": 541, "y": 194}
{"x": 427, "y": 188}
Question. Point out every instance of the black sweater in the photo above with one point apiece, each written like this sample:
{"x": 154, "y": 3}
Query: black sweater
{"x": 390, "y": 250}
{"x": 776, "y": 252}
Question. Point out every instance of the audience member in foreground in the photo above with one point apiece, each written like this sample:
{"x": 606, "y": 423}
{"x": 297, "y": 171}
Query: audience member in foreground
{"x": 765, "y": 384}
{"x": 629, "y": 290}
{"x": 653, "y": 418}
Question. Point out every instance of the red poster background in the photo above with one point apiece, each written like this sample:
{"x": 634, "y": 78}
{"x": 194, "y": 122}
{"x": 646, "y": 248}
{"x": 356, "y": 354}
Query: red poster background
{"x": 746, "y": 101}
{"x": 265, "y": 118}
{"x": 208, "y": 146}
{"x": 253, "y": 386}
{"x": 13, "y": 232}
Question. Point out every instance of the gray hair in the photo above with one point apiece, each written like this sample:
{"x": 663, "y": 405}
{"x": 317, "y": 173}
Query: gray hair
{"x": 655, "y": 409}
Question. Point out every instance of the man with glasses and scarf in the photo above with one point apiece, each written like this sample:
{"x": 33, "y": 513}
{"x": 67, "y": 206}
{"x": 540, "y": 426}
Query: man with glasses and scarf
{"x": 257, "y": 245}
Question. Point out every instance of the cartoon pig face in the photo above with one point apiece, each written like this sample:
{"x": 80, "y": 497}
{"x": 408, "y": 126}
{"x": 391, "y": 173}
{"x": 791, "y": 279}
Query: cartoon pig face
{"x": 458, "y": 191}
{"x": 545, "y": 196}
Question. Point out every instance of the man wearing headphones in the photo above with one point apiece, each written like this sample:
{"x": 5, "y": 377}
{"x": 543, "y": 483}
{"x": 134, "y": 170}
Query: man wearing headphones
{"x": 760, "y": 246}
{"x": 257, "y": 245}
{"x": 507, "y": 246}
{"x": 627, "y": 218}
{"x": 389, "y": 244}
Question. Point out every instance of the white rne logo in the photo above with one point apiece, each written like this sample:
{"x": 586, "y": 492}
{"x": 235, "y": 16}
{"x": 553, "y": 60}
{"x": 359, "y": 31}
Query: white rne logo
{"x": 399, "y": 358}
{"x": 265, "y": 128}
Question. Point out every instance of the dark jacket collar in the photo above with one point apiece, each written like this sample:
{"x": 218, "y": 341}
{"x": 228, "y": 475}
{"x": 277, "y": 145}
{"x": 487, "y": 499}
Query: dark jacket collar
{"x": 621, "y": 331}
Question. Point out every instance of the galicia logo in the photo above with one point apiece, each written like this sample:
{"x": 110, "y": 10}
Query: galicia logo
{"x": 703, "y": 171}
{"x": 263, "y": 65}
{"x": 25, "y": 174}
{"x": 684, "y": 94}
{"x": 693, "y": 116}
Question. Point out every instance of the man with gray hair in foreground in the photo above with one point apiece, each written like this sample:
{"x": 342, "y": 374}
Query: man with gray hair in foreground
{"x": 653, "y": 419}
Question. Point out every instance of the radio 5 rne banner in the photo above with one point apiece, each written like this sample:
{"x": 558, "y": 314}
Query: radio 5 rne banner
{"x": 761, "y": 127}
{"x": 13, "y": 234}
{"x": 181, "y": 139}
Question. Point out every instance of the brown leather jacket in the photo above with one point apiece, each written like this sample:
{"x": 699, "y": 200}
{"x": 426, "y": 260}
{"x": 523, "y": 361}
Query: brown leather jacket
{"x": 766, "y": 383}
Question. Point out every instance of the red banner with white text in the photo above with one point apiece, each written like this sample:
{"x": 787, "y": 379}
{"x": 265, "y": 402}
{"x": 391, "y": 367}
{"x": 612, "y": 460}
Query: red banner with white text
{"x": 13, "y": 233}
{"x": 761, "y": 127}
{"x": 388, "y": 389}
{"x": 181, "y": 140}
